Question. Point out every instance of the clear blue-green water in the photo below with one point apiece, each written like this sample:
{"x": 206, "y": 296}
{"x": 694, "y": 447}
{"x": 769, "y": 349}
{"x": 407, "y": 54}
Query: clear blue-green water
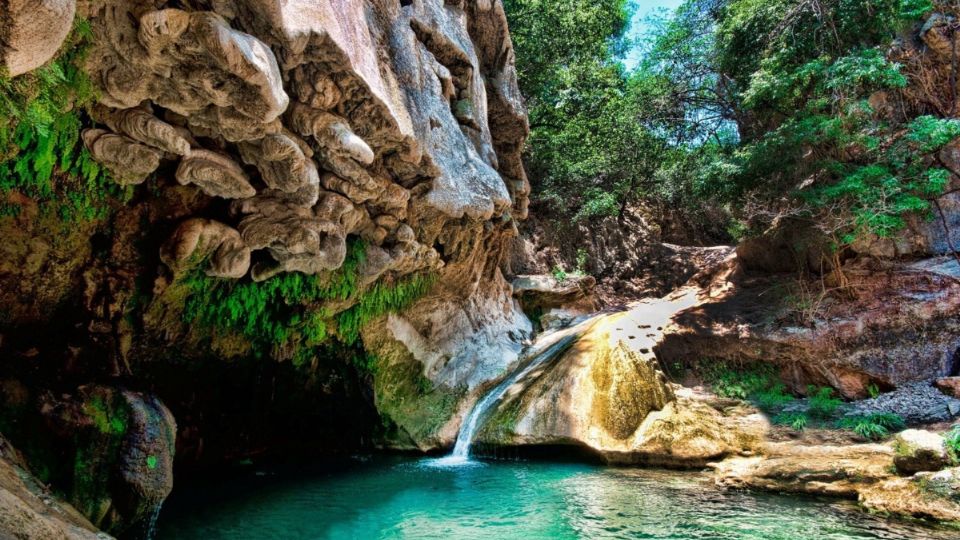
{"x": 414, "y": 498}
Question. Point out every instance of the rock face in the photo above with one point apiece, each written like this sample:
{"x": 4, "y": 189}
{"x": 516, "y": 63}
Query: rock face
{"x": 949, "y": 386}
{"x": 873, "y": 336}
{"x": 28, "y": 510}
{"x": 553, "y": 302}
{"x": 263, "y": 138}
{"x": 31, "y": 31}
{"x": 401, "y": 125}
{"x": 630, "y": 255}
{"x": 607, "y": 393}
{"x": 114, "y": 449}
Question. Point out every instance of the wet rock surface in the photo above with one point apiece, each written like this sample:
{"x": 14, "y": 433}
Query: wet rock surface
{"x": 607, "y": 393}
{"x": 861, "y": 472}
{"x": 29, "y": 510}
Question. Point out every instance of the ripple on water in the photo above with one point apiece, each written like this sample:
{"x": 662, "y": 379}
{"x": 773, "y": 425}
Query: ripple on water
{"x": 469, "y": 499}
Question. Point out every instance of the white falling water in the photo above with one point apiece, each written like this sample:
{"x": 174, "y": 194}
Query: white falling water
{"x": 552, "y": 346}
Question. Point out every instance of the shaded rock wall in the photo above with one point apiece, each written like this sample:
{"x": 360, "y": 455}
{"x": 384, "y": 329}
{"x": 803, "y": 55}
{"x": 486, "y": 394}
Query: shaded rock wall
{"x": 257, "y": 139}
{"x": 892, "y": 325}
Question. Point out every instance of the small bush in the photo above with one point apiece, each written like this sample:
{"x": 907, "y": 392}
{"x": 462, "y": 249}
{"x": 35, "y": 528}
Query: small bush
{"x": 759, "y": 385}
{"x": 951, "y": 440}
{"x": 874, "y": 426}
{"x": 823, "y": 404}
{"x": 796, "y": 420}
{"x": 582, "y": 258}
{"x": 559, "y": 273}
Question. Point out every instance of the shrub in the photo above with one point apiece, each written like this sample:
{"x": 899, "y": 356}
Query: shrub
{"x": 823, "y": 404}
{"x": 559, "y": 273}
{"x": 874, "y": 426}
{"x": 796, "y": 420}
{"x": 951, "y": 440}
{"x": 758, "y": 384}
{"x": 582, "y": 258}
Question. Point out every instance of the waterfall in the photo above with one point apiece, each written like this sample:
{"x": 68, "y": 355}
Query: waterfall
{"x": 550, "y": 347}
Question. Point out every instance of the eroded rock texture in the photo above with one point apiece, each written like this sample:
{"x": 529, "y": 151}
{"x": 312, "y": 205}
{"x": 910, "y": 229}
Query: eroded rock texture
{"x": 31, "y": 31}
{"x": 606, "y": 392}
{"x": 398, "y": 124}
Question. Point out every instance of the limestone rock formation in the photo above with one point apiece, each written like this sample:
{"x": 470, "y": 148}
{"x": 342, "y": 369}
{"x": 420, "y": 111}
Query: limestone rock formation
{"x": 339, "y": 139}
{"x": 31, "y": 32}
{"x": 607, "y": 393}
{"x": 196, "y": 239}
{"x": 554, "y": 302}
{"x": 917, "y": 450}
{"x": 111, "y": 449}
{"x": 29, "y": 510}
{"x": 949, "y": 386}
{"x": 860, "y": 471}
{"x": 869, "y": 337}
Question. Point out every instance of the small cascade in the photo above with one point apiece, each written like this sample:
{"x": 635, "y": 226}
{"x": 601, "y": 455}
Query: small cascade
{"x": 149, "y": 527}
{"x": 550, "y": 346}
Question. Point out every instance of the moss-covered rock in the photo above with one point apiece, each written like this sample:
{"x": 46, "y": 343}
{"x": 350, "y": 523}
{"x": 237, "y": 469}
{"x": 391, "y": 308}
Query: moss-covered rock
{"x": 109, "y": 452}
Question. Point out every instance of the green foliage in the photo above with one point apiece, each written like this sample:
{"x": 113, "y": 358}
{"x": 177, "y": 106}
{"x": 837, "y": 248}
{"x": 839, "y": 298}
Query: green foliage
{"x": 582, "y": 259}
{"x": 559, "y": 273}
{"x": 796, "y": 420}
{"x": 589, "y": 150}
{"x": 105, "y": 418}
{"x": 295, "y": 307}
{"x": 758, "y": 384}
{"x": 803, "y": 76}
{"x": 823, "y": 404}
{"x": 951, "y": 440}
{"x": 873, "y": 390}
{"x": 875, "y": 426}
{"x": 41, "y": 154}
{"x": 379, "y": 299}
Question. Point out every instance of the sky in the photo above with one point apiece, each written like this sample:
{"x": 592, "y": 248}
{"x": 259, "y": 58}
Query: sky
{"x": 638, "y": 28}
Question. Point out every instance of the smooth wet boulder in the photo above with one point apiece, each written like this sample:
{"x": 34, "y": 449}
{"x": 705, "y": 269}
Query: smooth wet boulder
{"x": 919, "y": 450}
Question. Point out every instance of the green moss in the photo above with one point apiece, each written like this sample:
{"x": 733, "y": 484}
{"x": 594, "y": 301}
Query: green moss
{"x": 98, "y": 450}
{"x": 502, "y": 425}
{"x": 411, "y": 401}
{"x": 41, "y": 154}
{"x": 104, "y": 417}
{"x": 294, "y": 311}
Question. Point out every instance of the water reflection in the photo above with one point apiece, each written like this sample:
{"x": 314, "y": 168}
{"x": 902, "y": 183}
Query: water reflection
{"x": 399, "y": 498}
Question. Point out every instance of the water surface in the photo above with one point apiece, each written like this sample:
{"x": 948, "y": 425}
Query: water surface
{"x": 389, "y": 497}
